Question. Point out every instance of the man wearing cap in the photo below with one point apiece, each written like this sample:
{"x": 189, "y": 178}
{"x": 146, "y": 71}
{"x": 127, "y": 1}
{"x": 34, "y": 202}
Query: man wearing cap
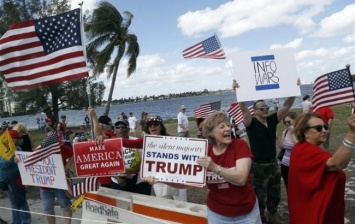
{"x": 124, "y": 116}
{"x": 105, "y": 127}
{"x": 10, "y": 181}
{"x": 129, "y": 181}
{"x": 183, "y": 123}
{"x": 132, "y": 120}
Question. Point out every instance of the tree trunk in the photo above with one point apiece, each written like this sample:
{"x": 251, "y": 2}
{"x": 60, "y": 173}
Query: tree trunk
{"x": 109, "y": 99}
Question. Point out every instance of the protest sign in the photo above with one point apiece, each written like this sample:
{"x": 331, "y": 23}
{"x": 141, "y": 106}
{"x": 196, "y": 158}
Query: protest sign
{"x": 269, "y": 73}
{"x": 48, "y": 172}
{"x": 93, "y": 160}
{"x": 173, "y": 159}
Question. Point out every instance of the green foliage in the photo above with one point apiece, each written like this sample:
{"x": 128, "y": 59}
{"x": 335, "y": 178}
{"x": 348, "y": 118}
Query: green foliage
{"x": 109, "y": 41}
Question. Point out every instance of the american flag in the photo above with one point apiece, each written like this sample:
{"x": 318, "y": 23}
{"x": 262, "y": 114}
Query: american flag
{"x": 333, "y": 89}
{"x": 236, "y": 113}
{"x": 48, "y": 147}
{"x": 206, "y": 109}
{"x": 209, "y": 48}
{"x": 43, "y": 51}
{"x": 84, "y": 185}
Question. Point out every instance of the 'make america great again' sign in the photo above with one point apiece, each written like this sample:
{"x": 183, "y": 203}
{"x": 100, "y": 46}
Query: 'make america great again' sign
{"x": 93, "y": 160}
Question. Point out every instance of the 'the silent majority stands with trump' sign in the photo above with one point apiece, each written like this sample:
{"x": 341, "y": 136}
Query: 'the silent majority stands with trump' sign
{"x": 173, "y": 159}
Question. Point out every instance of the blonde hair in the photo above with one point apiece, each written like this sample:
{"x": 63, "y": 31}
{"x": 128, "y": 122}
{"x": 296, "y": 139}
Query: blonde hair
{"x": 211, "y": 122}
{"x": 21, "y": 128}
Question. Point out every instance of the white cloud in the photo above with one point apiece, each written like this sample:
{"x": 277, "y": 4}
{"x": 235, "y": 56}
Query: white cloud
{"x": 340, "y": 23}
{"x": 237, "y": 17}
{"x": 293, "y": 44}
{"x": 349, "y": 38}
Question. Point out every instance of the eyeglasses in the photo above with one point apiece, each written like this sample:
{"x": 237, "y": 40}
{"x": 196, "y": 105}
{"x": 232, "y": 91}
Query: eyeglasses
{"x": 319, "y": 127}
{"x": 183, "y": 109}
{"x": 155, "y": 124}
{"x": 287, "y": 122}
{"x": 121, "y": 127}
{"x": 264, "y": 108}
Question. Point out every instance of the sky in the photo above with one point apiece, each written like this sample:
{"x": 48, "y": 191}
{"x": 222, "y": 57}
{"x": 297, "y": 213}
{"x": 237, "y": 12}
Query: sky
{"x": 321, "y": 33}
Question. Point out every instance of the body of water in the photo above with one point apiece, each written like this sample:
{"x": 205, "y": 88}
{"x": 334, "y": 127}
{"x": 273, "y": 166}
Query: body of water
{"x": 168, "y": 108}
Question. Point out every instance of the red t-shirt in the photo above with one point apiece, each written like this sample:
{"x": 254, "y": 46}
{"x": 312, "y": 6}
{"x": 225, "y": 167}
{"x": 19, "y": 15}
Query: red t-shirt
{"x": 225, "y": 198}
{"x": 326, "y": 113}
{"x": 314, "y": 195}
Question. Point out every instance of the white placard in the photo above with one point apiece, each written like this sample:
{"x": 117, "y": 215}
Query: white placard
{"x": 173, "y": 159}
{"x": 95, "y": 212}
{"x": 48, "y": 172}
{"x": 266, "y": 74}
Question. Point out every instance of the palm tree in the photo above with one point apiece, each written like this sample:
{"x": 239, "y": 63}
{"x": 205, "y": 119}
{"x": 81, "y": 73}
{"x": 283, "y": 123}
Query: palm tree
{"x": 108, "y": 36}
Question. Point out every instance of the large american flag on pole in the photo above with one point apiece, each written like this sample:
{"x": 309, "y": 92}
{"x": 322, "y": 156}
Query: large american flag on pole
{"x": 236, "y": 113}
{"x": 333, "y": 89}
{"x": 209, "y": 48}
{"x": 43, "y": 51}
{"x": 48, "y": 147}
{"x": 206, "y": 109}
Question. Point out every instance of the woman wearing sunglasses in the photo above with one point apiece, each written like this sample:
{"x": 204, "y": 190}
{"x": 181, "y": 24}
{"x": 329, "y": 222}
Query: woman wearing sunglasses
{"x": 288, "y": 141}
{"x": 316, "y": 183}
{"x": 155, "y": 126}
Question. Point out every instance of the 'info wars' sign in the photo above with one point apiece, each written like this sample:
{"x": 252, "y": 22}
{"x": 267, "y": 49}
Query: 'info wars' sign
{"x": 93, "y": 160}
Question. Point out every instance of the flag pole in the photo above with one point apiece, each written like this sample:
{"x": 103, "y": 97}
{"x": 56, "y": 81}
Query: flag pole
{"x": 88, "y": 87}
{"x": 230, "y": 69}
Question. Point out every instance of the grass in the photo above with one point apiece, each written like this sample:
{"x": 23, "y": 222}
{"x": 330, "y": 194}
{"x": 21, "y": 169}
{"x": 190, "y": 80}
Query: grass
{"x": 338, "y": 131}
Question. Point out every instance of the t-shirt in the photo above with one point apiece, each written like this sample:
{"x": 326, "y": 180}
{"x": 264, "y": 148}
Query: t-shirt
{"x": 132, "y": 122}
{"x": 326, "y": 113}
{"x": 306, "y": 105}
{"x": 262, "y": 139}
{"x": 225, "y": 198}
{"x": 183, "y": 120}
{"x": 314, "y": 195}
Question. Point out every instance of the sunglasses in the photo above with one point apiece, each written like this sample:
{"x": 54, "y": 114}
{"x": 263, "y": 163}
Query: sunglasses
{"x": 287, "y": 122}
{"x": 265, "y": 108}
{"x": 155, "y": 124}
{"x": 319, "y": 127}
{"x": 121, "y": 127}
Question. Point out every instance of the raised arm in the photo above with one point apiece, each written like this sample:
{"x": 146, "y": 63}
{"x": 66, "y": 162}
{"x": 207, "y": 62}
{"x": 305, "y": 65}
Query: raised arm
{"x": 342, "y": 156}
{"x": 281, "y": 113}
{"x": 243, "y": 107}
{"x": 95, "y": 121}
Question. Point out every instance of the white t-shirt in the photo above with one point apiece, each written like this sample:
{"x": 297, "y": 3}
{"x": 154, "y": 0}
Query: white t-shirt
{"x": 306, "y": 105}
{"x": 182, "y": 119}
{"x": 132, "y": 122}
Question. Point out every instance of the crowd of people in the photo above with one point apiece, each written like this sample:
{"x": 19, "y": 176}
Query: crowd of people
{"x": 244, "y": 171}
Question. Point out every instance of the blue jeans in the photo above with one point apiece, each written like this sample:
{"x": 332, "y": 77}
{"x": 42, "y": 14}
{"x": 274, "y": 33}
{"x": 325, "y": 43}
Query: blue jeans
{"x": 253, "y": 217}
{"x": 48, "y": 196}
{"x": 17, "y": 196}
